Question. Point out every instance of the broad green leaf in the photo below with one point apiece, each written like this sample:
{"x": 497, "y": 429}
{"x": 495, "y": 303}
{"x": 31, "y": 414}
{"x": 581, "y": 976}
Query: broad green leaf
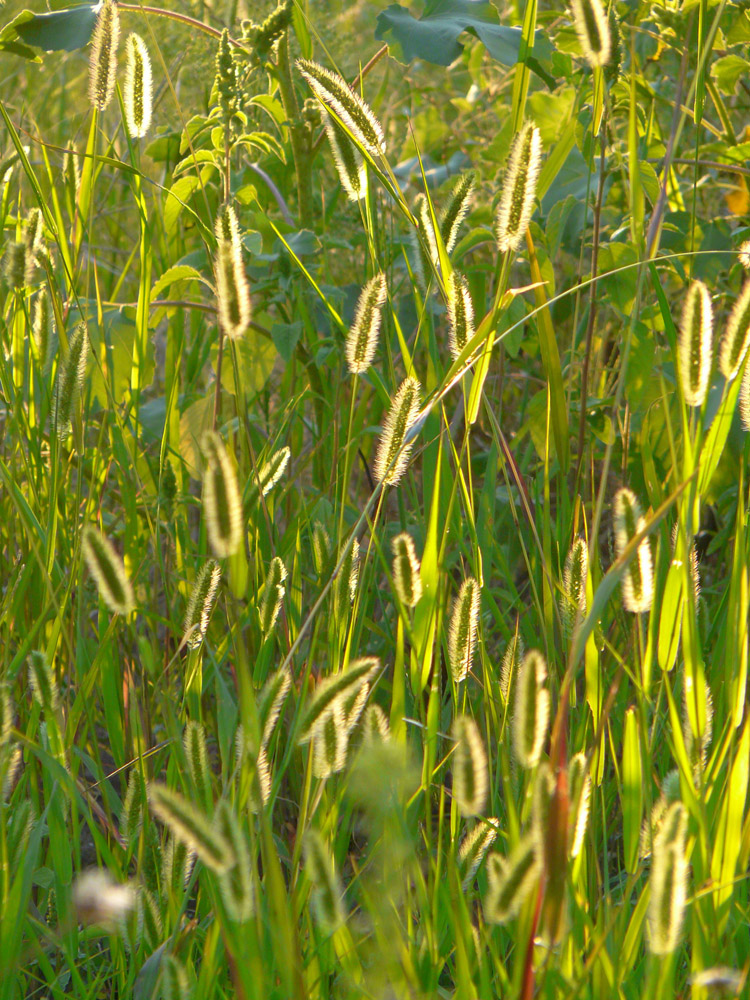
{"x": 63, "y": 29}
{"x": 727, "y": 71}
{"x": 179, "y": 272}
{"x": 434, "y": 36}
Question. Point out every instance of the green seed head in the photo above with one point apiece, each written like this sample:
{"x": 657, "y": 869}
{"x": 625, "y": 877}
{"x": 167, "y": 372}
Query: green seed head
{"x": 221, "y": 498}
{"x": 406, "y": 572}
{"x": 460, "y": 314}
{"x": 43, "y": 682}
{"x": 511, "y": 661}
{"x": 108, "y": 571}
{"x": 327, "y": 893}
{"x": 18, "y": 264}
{"x": 103, "y": 60}
{"x": 335, "y": 94}
{"x": 232, "y": 289}
{"x": 668, "y": 882}
{"x": 455, "y": 210}
{"x": 201, "y": 603}
{"x": 190, "y": 825}
{"x": 474, "y": 847}
{"x": 138, "y": 87}
{"x": 349, "y": 162}
{"x": 392, "y": 456}
{"x": 272, "y": 596}
{"x": 531, "y": 710}
{"x": 519, "y": 189}
{"x": 271, "y": 701}
{"x": 638, "y": 581}
{"x": 736, "y": 336}
{"x": 579, "y": 792}
{"x": 235, "y": 884}
{"x": 695, "y": 344}
{"x": 592, "y": 28}
{"x": 272, "y": 470}
{"x": 426, "y": 256}
{"x": 362, "y": 340}
{"x": 43, "y": 328}
{"x": 573, "y": 599}
{"x": 462, "y": 632}
{"x": 469, "y": 766}
{"x": 511, "y": 880}
{"x": 69, "y": 382}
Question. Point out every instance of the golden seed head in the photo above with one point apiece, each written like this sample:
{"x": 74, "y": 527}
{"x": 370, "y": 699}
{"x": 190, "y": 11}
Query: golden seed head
{"x": 138, "y": 87}
{"x": 103, "y": 60}
{"x": 362, "y": 340}
{"x": 695, "y": 343}
{"x": 460, "y": 314}
{"x": 335, "y": 94}
{"x": 469, "y": 767}
{"x": 592, "y": 27}
{"x": 221, "y": 498}
{"x": 392, "y": 456}
{"x": 519, "y": 189}
{"x": 462, "y": 632}
{"x": 531, "y": 710}
{"x": 736, "y": 337}
{"x": 638, "y": 581}
{"x": 108, "y": 571}
{"x": 406, "y": 571}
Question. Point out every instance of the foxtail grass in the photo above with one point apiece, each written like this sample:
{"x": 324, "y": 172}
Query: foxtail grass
{"x": 462, "y": 631}
{"x": 103, "y": 58}
{"x": 362, "y": 340}
{"x": 221, "y": 498}
{"x": 592, "y": 28}
{"x": 137, "y": 89}
{"x": 335, "y": 94}
{"x": 519, "y": 189}
{"x": 407, "y": 580}
{"x": 469, "y": 767}
{"x": 638, "y": 581}
{"x": 531, "y": 710}
{"x": 108, "y": 571}
{"x": 232, "y": 289}
{"x": 201, "y": 603}
{"x": 695, "y": 344}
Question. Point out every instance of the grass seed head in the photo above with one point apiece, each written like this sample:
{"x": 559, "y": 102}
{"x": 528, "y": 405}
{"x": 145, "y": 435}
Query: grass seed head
{"x": 745, "y": 399}
{"x": 511, "y": 661}
{"x": 43, "y": 327}
{"x": 335, "y": 94}
{"x": 201, "y": 603}
{"x": 330, "y": 742}
{"x": 336, "y": 691}
{"x": 519, "y": 189}
{"x": 406, "y": 571}
{"x": 190, "y": 825}
{"x": 131, "y": 815}
{"x": 33, "y": 235}
{"x": 426, "y": 256}
{"x": 43, "y": 682}
{"x": 668, "y": 882}
{"x": 327, "y": 895}
{"x": 695, "y": 343}
{"x": 592, "y": 27}
{"x": 321, "y": 546}
{"x": 7, "y": 711}
{"x": 531, "y": 710}
{"x": 271, "y": 701}
{"x": 108, "y": 571}
{"x": 743, "y": 254}
{"x": 18, "y": 264}
{"x": 137, "y": 91}
{"x": 221, "y": 498}
{"x": 345, "y": 584}
{"x": 474, "y": 847}
{"x": 638, "y": 581}
{"x": 69, "y": 381}
{"x": 349, "y": 162}
{"x": 272, "y": 596}
{"x": 579, "y": 791}
{"x": 362, "y": 340}
{"x": 392, "y": 456}
{"x": 575, "y": 574}
{"x": 375, "y": 725}
{"x": 456, "y": 209}
{"x": 232, "y": 289}
{"x": 103, "y": 59}
{"x": 462, "y": 631}
{"x": 272, "y": 470}
{"x": 460, "y": 314}
{"x": 511, "y": 880}
{"x": 173, "y": 979}
{"x": 196, "y": 755}
{"x": 469, "y": 767}
{"x": 236, "y": 883}
{"x": 736, "y": 336}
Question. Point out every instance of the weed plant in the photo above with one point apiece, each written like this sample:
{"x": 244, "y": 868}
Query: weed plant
{"x": 374, "y": 552}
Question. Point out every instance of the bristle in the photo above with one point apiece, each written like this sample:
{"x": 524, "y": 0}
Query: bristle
{"x": 330, "y": 742}
{"x": 232, "y": 289}
{"x": 349, "y": 162}
{"x": 334, "y": 690}
{"x": 103, "y": 60}
{"x": 531, "y": 710}
{"x": 406, "y": 571}
{"x": 108, "y": 571}
{"x": 668, "y": 882}
{"x": 511, "y": 661}
{"x": 579, "y": 791}
{"x": 392, "y": 455}
{"x": 201, "y": 603}
{"x": 519, "y": 189}
{"x": 137, "y": 89}
{"x": 362, "y": 340}
{"x": 695, "y": 344}
{"x": 638, "y": 581}
{"x": 460, "y": 314}
{"x": 469, "y": 767}
{"x": 196, "y": 756}
{"x": 321, "y": 545}
{"x": 462, "y": 631}
{"x": 345, "y": 584}
{"x": 221, "y": 498}
{"x": 271, "y": 701}
{"x": 272, "y": 470}
{"x": 335, "y": 94}
{"x": 573, "y": 599}
{"x": 426, "y": 257}
{"x": 473, "y": 848}
{"x": 236, "y": 883}
{"x": 455, "y": 210}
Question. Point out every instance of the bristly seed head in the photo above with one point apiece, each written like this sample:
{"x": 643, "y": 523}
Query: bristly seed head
{"x": 392, "y": 456}
{"x": 272, "y": 596}
{"x": 511, "y": 880}
{"x": 362, "y": 339}
{"x": 668, "y": 881}
{"x": 138, "y": 87}
{"x": 531, "y": 710}
{"x": 737, "y": 336}
{"x": 638, "y": 581}
{"x": 460, "y": 314}
{"x": 349, "y": 162}
{"x": 232, "y": 289}
{"x": 69, "y": 381}
{"x": 592, "y": 27}
{"x": 695, "y": 343}
{"x": 201, "y": 603}
{"x": 335, "y": 94}
{"x": 426, "y": 256}
{"x": 469, "y": 767}
{"x": 406, "y": 572}
{"x": 455, "y": 210}
{"x": 221, "y": 498}
{"x": 103, "y": 60}
{"x": 108, "y": 570}
{"x": 462, "y": 632}
{"x": 519, "y": 189}
{"x": 573, "y": 599}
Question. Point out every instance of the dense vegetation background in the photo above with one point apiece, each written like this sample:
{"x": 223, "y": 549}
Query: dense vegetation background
{"x": 305, "y": 755}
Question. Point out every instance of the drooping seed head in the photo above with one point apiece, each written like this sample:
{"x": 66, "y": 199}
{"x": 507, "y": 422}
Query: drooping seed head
{"x": 392, "y": 456}
{"x": 592, "y": 28}
{"x": 272, "y": 470}
{"x": 469, "y": 767}
{"x": 191, "y": 826}
{"x": 335, "y": 94}
{"x": 473, "y": 848}
{"x": 236, "y": 883}
{"x": 221, "y": 498}
{"x": 462, "y": 632}
{"x": 375, "y": 725}
{"x": 272, "y": 596}
{"x": 573, "y": 599}
{"x": 531, "y": 710}
{"x": 519, "y": 189}
{"x": 349, "y": 162}
{"x": 736, "y": 336}
{"x": 695, "y": 344}
{"x": 511, "y": 880}
{"x": 668, "y": 882}
{"x": 638, "y": 581}
{"x": 337, "y": 690}
{"x": 69, "y": 380}
{"x": 362, "y": 340}
{"x": 232, "y": 289}
{"x": 456, "y": 208}
{"x": 460, "y": 313}
{"x": 138, "y": 87}
{"x": 108, "y": 571}
{"x": 406, "y": 573}
{"x": 327, "y": 895}
{"x": 103, "y": 59}
{"x": 579, "y": 792}
{"x": 201, "y": 603}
